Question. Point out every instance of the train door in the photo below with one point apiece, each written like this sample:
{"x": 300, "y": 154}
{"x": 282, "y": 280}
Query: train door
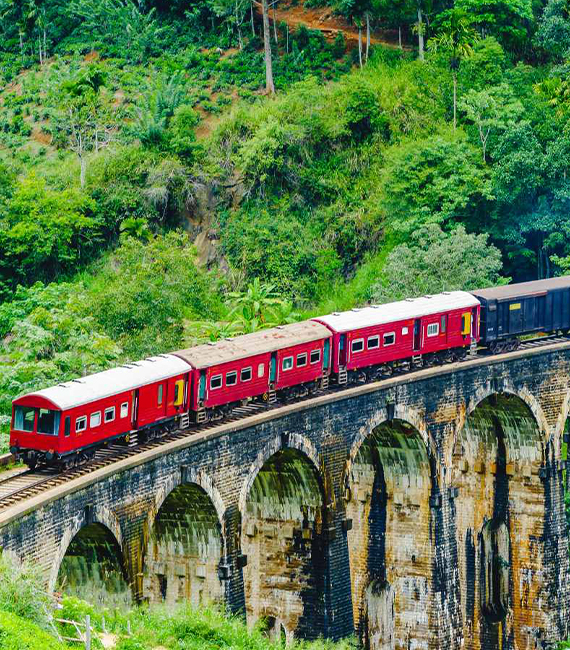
{"x": 135, "y": 408}
{"x": 161, "y": 398}
{"x": 515, "y": 317}
{"x": 202, "y": 388}
{"x": 474, "y": 331}
{"x": 417, "y": 334}
{"x": 273, "y": 369}
{"x": 326, "y": 353}
{"x": 342, "y": 350}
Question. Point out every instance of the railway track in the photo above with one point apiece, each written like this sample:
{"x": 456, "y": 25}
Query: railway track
{"x": 30, "y": 483}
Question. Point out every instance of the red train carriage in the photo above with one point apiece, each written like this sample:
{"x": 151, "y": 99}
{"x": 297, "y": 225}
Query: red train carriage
{"x": 68, "y": 422}
{"x": 289, "y": 360}
{"x": 369, "y": 342}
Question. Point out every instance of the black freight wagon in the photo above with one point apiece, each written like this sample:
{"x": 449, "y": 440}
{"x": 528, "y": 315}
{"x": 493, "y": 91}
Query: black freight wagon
{"x": 516, "y": 309}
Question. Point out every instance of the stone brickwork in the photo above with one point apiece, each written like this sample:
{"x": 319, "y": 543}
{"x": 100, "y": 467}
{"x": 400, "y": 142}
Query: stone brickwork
{"x": 425, "y": 511}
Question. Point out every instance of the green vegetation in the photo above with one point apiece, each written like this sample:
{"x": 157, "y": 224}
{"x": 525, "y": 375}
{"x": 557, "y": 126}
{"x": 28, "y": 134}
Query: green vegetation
{"x": 151, "y": 195}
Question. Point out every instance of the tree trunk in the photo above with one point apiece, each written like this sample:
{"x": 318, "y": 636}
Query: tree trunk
{"x": 454, "y": 99}
{"x": 360, "y": 45}
{"x": 400, "y": 36}
{"x": 274, "y": 22}
{"x": 420, "y": 34}
{"x": 367, "y": 35}
{"x": 252, "y": 23}
{"x": 269, "y": 85}
{"x": 83, "y": 164}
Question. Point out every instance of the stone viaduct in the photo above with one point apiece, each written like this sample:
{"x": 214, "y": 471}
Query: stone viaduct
{"x": 424, "y": 511}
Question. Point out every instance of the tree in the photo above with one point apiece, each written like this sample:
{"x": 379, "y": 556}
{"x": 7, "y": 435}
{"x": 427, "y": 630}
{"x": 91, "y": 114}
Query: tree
{"x": 553, "y": 33}
{"x": 47, "y": 231}
{"x": 455, "y": 36}
{"x": 86, "y": 121}
{"x": 509, "y": 20}
{"x": 441, "y": 180}
{"x": 434, "y": 261}
{"x": 491, "y": 111}
{"x": 269, "y": 84}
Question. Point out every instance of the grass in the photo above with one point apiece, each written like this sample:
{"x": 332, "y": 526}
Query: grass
{"x": 181, "y": 627}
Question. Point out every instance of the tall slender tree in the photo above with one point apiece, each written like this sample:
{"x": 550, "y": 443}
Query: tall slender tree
{"x": 455, "y": 36}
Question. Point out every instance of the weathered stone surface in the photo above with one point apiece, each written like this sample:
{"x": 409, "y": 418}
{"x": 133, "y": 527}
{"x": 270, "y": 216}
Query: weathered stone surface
{"x": 426, "y": 511}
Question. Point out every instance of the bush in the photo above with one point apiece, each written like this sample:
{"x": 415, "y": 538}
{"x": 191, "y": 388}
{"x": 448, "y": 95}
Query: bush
{"x": 19, "y": 634}
{"x": 22, "y": 593}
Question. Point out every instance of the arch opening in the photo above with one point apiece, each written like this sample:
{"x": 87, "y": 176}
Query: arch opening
{"x": 184, "y": 550}
{"x": 92, "y": 568}
{"x": 284, "y": 539}
{"x": 499, "y": 518}
{"x": 389, "y": 487}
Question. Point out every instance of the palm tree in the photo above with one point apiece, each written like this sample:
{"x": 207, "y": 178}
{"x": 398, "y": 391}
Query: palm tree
{"x": 455, "y": 36}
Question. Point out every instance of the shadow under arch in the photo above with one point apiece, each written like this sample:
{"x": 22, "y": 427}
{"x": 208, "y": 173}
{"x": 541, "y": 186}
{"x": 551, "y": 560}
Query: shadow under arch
{"x": 185, "y": 543}
{"x": 500, "y": 516}
{"x": 285, "y": 540}
{"x": 389, "y": 484}
{"x": 92, "y": 567}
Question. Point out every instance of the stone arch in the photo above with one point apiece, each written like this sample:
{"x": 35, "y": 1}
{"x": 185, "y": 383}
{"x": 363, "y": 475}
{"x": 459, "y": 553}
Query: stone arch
{"x": 498, "y": 456}
{"x": 290, "y": 440}
{"x": 98, "y": 514}
{"x": 389, "y": 484}
{"x": 186, "y": 541}
{"x": 188, "y": 475}
{"x": 90, "y": 559}
{"x": 399, "y": 412}
{"x": 284, "y": 537}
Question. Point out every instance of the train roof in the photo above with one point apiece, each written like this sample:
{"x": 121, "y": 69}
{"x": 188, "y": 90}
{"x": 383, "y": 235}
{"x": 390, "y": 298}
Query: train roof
{"x": 248, "y": 345}
{"x": 393, "y": 312}
{"x": 129, "y": 376}
{"x": 536, "y": 287}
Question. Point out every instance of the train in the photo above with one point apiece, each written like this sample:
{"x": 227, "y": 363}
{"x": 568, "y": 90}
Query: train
{"x": 65, "y": 425}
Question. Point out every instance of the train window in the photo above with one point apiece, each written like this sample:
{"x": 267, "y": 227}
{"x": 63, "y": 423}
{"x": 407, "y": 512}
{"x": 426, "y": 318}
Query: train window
{"x": 160, "y": 391}
{"x": 404, "y": 331}
{"x": 24, "y": 418}
{"x": 95, "y": 419}
{"x": 261, "y": 370}
{"x": 443, "y": 324}
{"x": 81, "y": 424}
{"x": 287, "y": 363}
{"x": 389, "y": 338}
{"x": 373, "y": 342}
{"x": 48, "y": 422}
{"x": 110, "y": 414}
{"x": 245, "y": 374}
{"x": 357, "y": 345}
{"x": 67, "y": 427}
{"x": 216, "y": 382}
{"x": 315, "y": 356}
{"x": 231, "y": 378}
{"x": 301, "y": 360}
{"x": 124, "y": 409}
{"x": 433, "y": 329}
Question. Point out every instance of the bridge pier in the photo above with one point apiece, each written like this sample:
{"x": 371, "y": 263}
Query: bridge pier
{"x": 424, "y": 511}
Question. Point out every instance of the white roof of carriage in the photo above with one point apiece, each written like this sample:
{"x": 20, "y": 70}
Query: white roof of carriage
{"x": 111, "y": 382}
{"x": 394, "y": 312}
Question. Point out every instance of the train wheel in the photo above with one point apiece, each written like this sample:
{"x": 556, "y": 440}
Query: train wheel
{"x": 32, "y": 463}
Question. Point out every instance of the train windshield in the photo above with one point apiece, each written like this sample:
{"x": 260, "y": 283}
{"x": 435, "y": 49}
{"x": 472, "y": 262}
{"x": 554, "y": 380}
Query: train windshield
{"x": 48, "y": 422}
{"x": 24, "y": 418}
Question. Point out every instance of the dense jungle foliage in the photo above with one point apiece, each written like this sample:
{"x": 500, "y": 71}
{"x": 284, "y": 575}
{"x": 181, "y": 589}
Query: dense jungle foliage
{"x": 152, "y": 195}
